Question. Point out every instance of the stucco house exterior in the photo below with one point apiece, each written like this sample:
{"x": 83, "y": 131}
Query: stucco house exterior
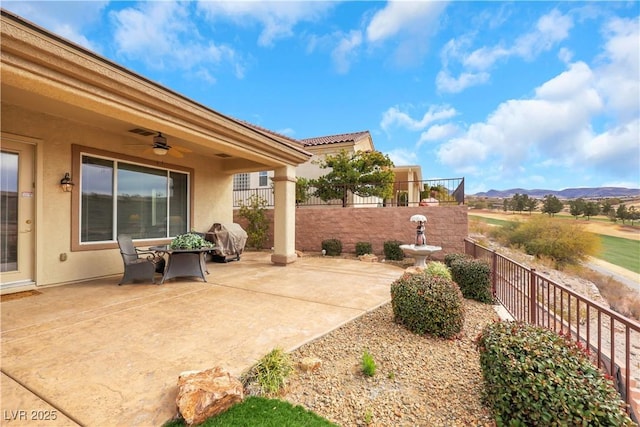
{"x": 66, "y": 110}
{"x": 408, "y": 178}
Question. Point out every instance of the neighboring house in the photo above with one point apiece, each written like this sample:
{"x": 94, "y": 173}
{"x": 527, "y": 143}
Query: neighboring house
{"x": 407, "y": 178}
{"x": 68, "y": 110}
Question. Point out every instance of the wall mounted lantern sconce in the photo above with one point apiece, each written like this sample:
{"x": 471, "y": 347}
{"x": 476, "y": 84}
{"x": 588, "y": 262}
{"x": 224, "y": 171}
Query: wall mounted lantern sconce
{"x": 66, "y": 183}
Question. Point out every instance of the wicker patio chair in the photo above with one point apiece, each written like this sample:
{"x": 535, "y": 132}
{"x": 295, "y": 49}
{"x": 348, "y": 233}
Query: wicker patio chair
{"x": 138, "y": 264}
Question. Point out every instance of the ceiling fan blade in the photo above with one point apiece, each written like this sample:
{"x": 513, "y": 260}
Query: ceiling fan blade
{"x": 181, "y": 149}
{"x": 175, "y": 153}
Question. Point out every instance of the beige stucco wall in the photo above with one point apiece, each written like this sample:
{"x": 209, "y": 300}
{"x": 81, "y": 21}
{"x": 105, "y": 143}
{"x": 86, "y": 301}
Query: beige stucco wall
{"x": 212, "y": 192}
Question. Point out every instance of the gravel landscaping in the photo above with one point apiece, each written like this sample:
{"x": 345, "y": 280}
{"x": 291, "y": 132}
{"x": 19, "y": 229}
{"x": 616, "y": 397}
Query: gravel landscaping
{"x": 420, "y": 381}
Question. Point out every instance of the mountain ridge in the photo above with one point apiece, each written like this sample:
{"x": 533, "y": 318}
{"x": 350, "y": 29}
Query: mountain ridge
{"x": 567, "y": 193}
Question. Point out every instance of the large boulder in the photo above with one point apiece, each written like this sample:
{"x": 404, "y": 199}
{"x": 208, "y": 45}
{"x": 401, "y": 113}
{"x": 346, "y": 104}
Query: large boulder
{"x": 203, "y": 394}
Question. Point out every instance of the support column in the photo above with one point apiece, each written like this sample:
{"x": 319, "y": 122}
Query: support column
{"x": 284, "y": 216}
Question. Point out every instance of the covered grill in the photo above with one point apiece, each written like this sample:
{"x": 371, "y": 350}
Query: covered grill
{"x": 229, "y": 239}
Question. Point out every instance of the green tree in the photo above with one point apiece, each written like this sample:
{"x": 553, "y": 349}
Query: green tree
{"x": 622, "y": 213}
{"x": 518, "y": 202}
{"x": 607, "y": 207}
{"x": 363, "y": 173}
{"x": 302, "y": 190}
{"x": 633, "y": 214}
{"x": 591, "y": 209}
{"x": 576, "y": 207}
{"x": 258, "y": 224}
{"x": 531, "y": 204}
{"x": 551, "y": 205}
{"x": 505, "y": 205}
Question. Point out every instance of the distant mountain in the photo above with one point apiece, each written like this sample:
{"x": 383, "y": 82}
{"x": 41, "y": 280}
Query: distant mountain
{"x": 567, "y": 193}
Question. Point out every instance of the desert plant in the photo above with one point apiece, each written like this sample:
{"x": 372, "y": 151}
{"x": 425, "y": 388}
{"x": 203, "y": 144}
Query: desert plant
{"x": 428, "y": 305}
{"x": 436, "y": 268}
{"x": 333, "y": 247}
{"x": 473, "y": 276}
{"x": 270, "y": 373}
{"x": 363, "y": 248}
{"x": 449, "y": 258}
{"x": 368, "y": 364}
{"x": 392, "y": 251}
{"x": 534, "y": 376}
{"x": 563, "y": 241}
{"x": 258, "y": 224}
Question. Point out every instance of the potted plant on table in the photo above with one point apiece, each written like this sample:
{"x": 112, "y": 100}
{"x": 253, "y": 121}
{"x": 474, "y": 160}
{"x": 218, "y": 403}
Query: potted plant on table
{"x": 190, "y": 241}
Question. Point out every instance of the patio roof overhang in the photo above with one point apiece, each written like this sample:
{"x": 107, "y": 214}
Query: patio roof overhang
{"x": 43, "y": 72}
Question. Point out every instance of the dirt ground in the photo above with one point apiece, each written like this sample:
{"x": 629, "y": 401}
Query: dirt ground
{"x": 598, "y": 227}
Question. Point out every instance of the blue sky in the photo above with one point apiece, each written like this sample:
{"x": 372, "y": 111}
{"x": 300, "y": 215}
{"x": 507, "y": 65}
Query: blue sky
{"x": 507, "y": 94}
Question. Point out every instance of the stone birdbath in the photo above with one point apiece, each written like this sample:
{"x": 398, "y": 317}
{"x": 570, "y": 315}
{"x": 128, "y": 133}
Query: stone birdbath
{"x": 419, "y": 250}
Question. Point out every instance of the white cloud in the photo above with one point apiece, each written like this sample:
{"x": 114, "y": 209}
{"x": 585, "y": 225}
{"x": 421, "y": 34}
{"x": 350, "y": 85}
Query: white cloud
{"x": 615, "y": 150}
{"x": 67, "y": 19}
{"x": 400, "y": 16}
{"x": 464, "y": 155}
{"x": 161, "y": 35}
{"x": 402, "y": 157}
{"x": 437, "y": 133}
{"x": 618, "y": 73}
{"x": 549, "y": 30}
{"x": 411, "y": 23}
{"x": 345, "y": 52}
{"x": 445, "y": 82}
{"x": 393, "y": 116}
{"x": 278, "y": 18}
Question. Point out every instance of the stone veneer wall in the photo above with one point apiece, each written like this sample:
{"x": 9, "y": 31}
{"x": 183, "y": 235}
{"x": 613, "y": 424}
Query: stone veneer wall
{"x": 446, "y": 226}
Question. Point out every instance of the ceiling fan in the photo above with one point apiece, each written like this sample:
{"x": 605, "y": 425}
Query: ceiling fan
{"x": 160, "y": 147}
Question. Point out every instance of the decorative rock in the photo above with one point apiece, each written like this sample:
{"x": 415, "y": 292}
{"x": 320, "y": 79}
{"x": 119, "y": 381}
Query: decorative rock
{"x": 414, "y": 270}
{"x": 368, "y": 258}
{"x": 300, "y": 254}
{"x": 310, "y": 364}
{"x": 203, "y": 394}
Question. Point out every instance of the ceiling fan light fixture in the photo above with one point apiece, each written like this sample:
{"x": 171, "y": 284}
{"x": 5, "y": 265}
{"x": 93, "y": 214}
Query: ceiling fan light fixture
{"x": 160, "y": 151}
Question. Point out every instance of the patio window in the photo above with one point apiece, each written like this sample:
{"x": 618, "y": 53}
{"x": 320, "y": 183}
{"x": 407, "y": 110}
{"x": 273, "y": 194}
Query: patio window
{"x": 263, "y": 179}
{"x": 241, "y": 181}
{"x": 119, "y": 197}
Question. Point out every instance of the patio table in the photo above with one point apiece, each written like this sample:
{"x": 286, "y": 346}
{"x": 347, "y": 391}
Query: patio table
{"x": 183, "y": 262}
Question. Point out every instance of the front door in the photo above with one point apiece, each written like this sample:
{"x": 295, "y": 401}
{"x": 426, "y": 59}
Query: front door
{"x": 17, "y": 228}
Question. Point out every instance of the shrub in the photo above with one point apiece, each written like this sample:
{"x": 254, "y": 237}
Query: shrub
{"x": 436, "y": 268}
{"x": 270, "y": 374}
{"x": 534, "y": 376}
{"x": 368, "y": 364}
{"x": 363, "y": 248}
{"x": 428, "y": 305}
{"x": 258, "y": 224}
{"x": 333, "y": 247}
{"x": 449, "y": 258}
{"x": 392, "y": 250}
{"x": 473, "y": 276}
{"x": 565, "y": 242}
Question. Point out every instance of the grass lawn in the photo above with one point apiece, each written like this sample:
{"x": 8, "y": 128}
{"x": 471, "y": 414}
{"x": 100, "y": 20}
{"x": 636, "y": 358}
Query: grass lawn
{"x": 262, "y": 412}
{"x": 622, "y": 252}
{"x": 491, "y": 221}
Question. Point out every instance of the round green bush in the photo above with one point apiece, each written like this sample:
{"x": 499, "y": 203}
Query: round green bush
{"x": 535, "y": 377}
{"x": 363, "y": 248}
{"x": 333, "y": 247}
{"x": 428, "y": 305}
{"x": 449, "y": 258}
{"x": 392, "y": 250}
{"x": 473, "y": 276}
{"x": 437, "y": 268}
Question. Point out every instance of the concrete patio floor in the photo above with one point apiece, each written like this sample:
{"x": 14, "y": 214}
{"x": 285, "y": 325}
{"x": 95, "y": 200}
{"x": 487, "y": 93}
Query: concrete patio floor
{"x": 99, "y": 354}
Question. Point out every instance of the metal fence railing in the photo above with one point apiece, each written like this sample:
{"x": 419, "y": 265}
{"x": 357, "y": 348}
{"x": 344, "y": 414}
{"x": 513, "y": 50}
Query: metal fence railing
{"x": 612, "y": 339}
{"x": 429, "y": 192}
